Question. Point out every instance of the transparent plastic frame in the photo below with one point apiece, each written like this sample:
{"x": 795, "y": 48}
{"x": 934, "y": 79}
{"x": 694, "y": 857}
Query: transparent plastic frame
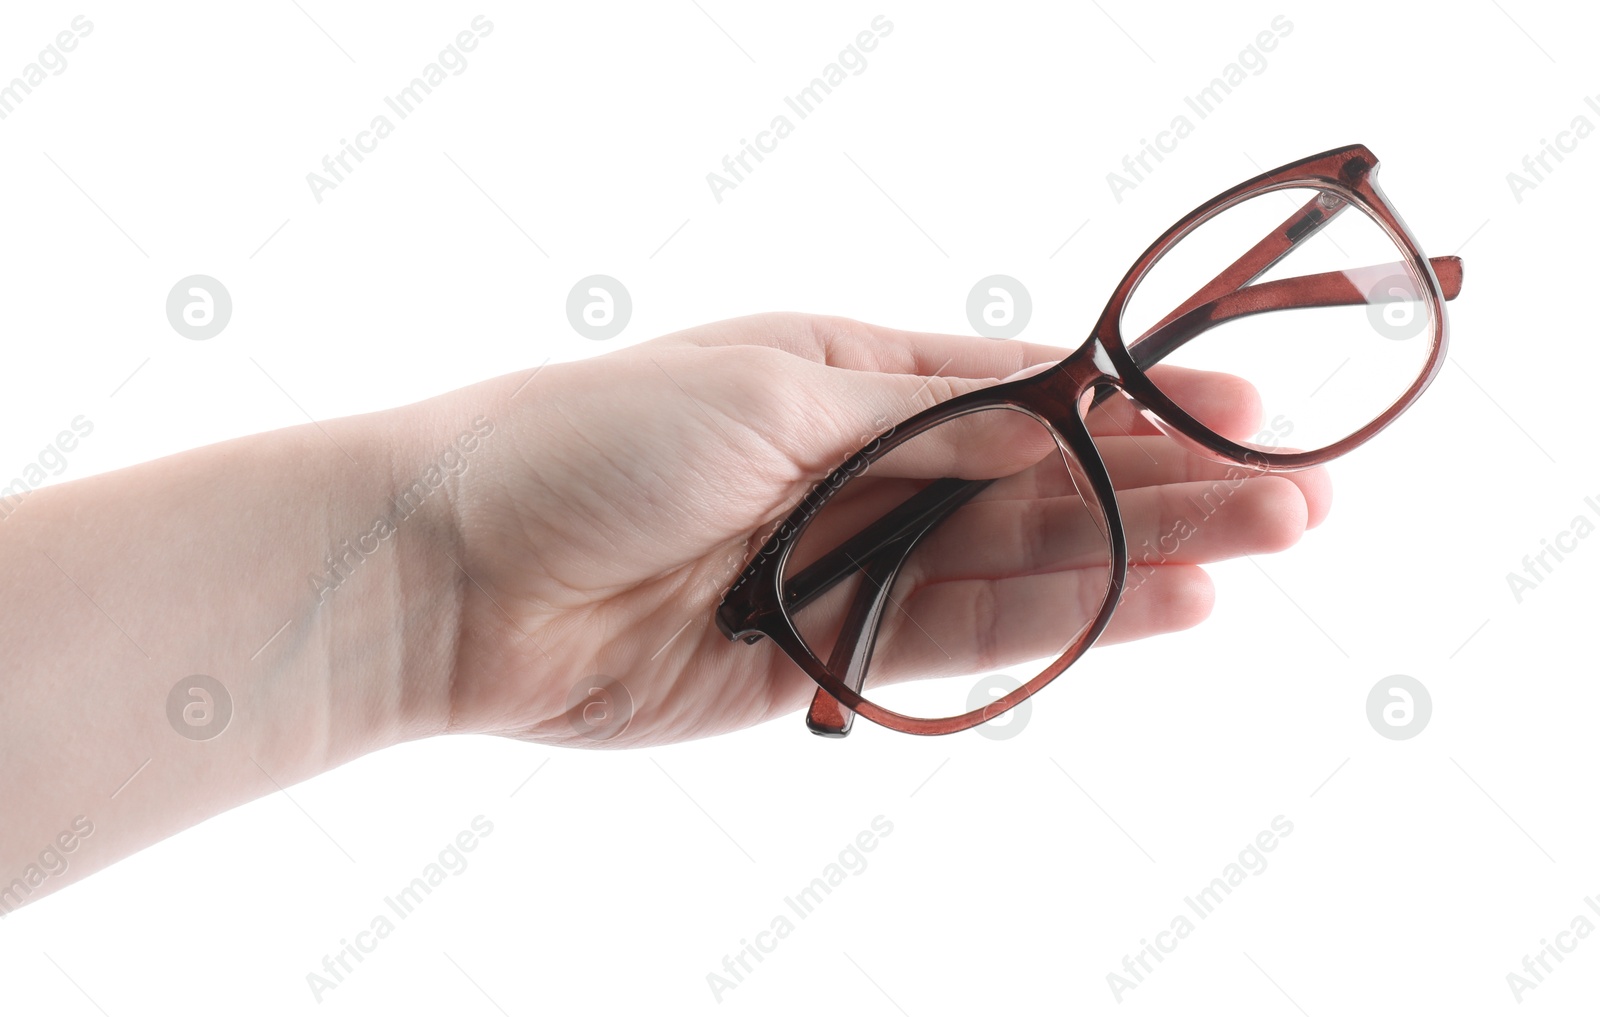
{"x": 761, "y": 604}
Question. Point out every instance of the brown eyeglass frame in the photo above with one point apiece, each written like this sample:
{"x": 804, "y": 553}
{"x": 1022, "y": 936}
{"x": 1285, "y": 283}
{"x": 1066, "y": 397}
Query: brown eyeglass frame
{"x": 759, "y": 603}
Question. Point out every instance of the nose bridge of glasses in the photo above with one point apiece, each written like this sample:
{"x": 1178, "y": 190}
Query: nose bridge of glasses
{"x": 1056, "y": 394}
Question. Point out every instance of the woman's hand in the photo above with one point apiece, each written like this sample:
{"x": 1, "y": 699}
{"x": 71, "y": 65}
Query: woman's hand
{"x": 191, "y": 633}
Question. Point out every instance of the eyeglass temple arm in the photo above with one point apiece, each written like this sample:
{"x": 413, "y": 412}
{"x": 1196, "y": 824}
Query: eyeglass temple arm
{"x": 1325, "y": 289}
{"x": 858, "y": 633}
{"x": 884, "y": 546}
{"x": 1307, "y": 221}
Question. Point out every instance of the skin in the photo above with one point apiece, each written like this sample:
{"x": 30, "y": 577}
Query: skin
{"x": 588, "y": 527}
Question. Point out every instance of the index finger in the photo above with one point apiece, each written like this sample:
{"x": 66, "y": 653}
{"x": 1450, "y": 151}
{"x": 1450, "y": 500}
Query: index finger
{"x": 859, "y": 346}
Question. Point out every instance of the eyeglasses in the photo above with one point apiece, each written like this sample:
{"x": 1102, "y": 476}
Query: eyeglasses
{"x": 986, "y": 530}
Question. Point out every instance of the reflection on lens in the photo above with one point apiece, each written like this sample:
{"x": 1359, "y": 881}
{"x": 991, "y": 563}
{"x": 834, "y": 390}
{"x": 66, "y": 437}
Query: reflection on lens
{"x": 1331, "y": 335}
{"x": 964, "y": 550}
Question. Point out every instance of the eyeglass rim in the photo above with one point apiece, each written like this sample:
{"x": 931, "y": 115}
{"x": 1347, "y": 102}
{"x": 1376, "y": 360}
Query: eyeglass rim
{"x": 1350, "y": 172}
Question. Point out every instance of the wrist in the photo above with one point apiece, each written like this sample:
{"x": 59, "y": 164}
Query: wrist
{"x": 367, "y": 600}
{"x": 483, "y": 580}
{"x": 416, "y": 606}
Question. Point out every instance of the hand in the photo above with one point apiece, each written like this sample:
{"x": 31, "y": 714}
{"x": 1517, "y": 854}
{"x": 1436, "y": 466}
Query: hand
{"x": 626, "y": 492}
{"x": 582, "y": 520}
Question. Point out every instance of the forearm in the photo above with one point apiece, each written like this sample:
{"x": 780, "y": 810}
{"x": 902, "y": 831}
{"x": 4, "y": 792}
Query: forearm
{"x": 117, "y": 588}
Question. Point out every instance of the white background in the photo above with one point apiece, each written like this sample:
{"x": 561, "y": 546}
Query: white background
{"x": 1019, "y": 872}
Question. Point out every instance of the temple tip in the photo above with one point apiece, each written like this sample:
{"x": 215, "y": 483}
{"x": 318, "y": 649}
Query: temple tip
{"x": 827, "y": 717}
{"x": 1448, "y": 270}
